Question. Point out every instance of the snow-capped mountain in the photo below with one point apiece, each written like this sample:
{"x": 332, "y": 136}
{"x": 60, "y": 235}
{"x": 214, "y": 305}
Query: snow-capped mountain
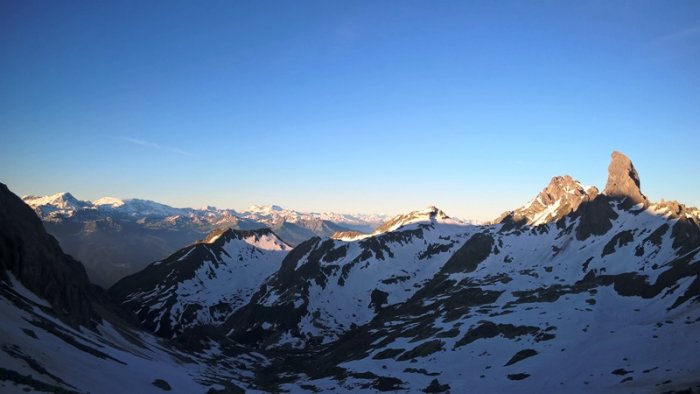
{"x": 532, "y": 310}
{"x": 427, "y": 303}
{"x": 274, "y": 213}
{"x": 204, "y": 283}
{"x": 56, "y": 204}
{"x": 60, "y": 206}
{"x": 296, "y": 227}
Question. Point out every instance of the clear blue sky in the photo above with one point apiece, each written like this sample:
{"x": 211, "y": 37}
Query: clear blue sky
{"x": 380, "y": 106}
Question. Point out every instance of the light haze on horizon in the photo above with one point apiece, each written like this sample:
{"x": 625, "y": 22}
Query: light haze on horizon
{"x": 347, "y": 106}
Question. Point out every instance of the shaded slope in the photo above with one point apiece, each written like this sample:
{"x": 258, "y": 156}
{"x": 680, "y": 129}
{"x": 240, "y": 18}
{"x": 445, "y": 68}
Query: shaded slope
{"x": 203, "y": 283}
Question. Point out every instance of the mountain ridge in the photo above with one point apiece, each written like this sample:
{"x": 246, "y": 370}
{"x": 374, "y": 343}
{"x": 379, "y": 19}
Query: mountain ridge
{"x": 117, "y": 237}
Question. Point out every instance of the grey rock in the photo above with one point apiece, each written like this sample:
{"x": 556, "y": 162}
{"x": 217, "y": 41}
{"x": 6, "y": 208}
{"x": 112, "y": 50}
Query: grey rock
{"x": 623, "y": 181}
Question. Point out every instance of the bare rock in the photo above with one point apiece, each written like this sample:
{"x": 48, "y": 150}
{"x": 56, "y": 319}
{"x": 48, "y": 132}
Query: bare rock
{"x": 34, "y": 257}
{"x": 623, "y": 181}
{"x": 562, "y": 196}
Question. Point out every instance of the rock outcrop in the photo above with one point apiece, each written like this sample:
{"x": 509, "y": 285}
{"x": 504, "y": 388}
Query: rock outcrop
{"x": 35, "y": 259}
{"x": 623, "y": 181}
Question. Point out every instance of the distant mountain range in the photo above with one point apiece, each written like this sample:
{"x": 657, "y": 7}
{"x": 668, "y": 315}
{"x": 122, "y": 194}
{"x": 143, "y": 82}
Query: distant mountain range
{"x": 116, "y": 237}
{"x": 577, "y": 291}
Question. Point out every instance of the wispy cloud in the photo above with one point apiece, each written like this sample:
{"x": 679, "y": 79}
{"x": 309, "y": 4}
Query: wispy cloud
{"x": 153, "y": 145}
{"x": 677, "y": 36}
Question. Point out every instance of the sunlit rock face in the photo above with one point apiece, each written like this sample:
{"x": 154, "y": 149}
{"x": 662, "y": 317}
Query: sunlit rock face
{"x": 623, "y": 181}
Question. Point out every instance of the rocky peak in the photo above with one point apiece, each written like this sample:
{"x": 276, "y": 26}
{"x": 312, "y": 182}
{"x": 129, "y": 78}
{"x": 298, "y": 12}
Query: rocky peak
{"x": 435, "y": 213}
{"x": 623, "y": 181}
{"x": 562, "y": 187}
{"x": 562, "y": 196}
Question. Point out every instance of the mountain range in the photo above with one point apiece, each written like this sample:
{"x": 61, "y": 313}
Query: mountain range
{"x": 115, "y": 238}
{"x": 577, "y": 291}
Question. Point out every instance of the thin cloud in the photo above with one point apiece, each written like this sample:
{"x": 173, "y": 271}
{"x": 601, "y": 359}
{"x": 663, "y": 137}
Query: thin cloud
{"x": 156, "y": 146}
{"x": 677, "y": 36}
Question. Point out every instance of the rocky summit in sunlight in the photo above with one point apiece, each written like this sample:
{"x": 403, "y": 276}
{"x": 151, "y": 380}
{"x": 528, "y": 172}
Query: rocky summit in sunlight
{"x": 576, "y": 291}
{"x": 562, "y": 196}
{"x": 623, "y": 181}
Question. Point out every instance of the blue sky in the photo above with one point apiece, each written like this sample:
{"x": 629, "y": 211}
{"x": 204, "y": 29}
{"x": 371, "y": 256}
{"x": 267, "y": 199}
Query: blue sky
{"x": 347, "y": 106}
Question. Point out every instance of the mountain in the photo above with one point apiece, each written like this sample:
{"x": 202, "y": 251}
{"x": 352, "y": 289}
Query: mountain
{"x": 61, "y": 334}
{"x": 575, "y": 291}
{"x": 204, "y": 282}
{"x": 56, "y": 204}
{"x": 296, "y": 227}
{"x": 562, "y": 196}
{"x": 581, "y": 292}
{"x": 115, "y": 238}
{"x": 118, "y": 237}
{"x": 270, "y": 214}
{"x": 325, "y": 286}
{"x": 602, "y": 295}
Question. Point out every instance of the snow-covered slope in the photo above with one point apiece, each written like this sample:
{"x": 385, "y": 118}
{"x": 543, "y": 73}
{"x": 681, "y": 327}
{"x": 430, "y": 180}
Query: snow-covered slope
{"x": 530, "y": 311}
{"x": 40, "y": 353}
{"x": 325, "y": 287}
{"x": 204, "y": 283}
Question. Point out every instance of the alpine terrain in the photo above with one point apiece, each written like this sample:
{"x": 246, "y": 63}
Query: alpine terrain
{"x": 577, "y": 291}
{"x": 115, "y": 238}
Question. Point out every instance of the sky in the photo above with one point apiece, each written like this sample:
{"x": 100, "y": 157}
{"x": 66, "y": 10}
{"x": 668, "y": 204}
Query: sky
{"x": 347, "y": 106}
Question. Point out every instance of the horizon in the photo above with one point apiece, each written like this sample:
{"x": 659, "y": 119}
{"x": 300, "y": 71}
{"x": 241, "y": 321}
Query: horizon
{"x": 283, "y": 207}
{"x": 347, "y": 107}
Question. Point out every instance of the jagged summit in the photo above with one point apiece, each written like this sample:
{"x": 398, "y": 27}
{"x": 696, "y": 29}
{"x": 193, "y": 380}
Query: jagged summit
{"x": 562, "y": 196}
{"x": 623, "y": 180}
